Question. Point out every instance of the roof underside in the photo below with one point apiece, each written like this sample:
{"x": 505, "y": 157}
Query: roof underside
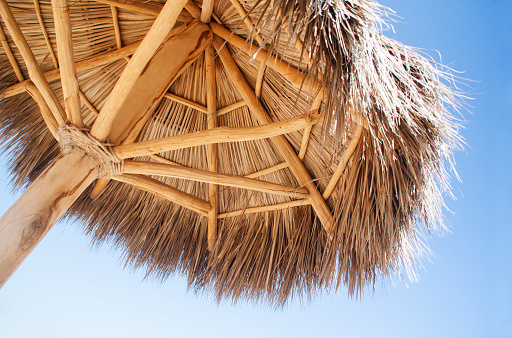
{"x": 383, "y": 117}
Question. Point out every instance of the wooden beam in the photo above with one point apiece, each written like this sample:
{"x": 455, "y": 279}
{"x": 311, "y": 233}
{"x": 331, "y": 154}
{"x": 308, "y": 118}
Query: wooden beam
{"x": 30, "y": 218}
{"x": 48, "y": 117}
{"x": 67, "y": 62}
{"x": 45, "y": 33}
{"x": 88, "y": 104}
{"x": 84, "y": 65}
{"x": 307, "y": 132}
{"x": 343, "y": 162}
{"x": 247, "y": 20}
{"x": 145, "y": 7}
{"x": 211, "y": 149}
{"x": 186, "y": 102}
{"x": 268, "y": 170}
{"x": 159, "y": 169}
{"x": 265, "y": 208}
{"x": 163, "y": 190}
{"x": 34, "y": 71}
{"x": 185, "y": 45}
{"x": 206, "y": 11}
{"x": 152, "y": 41}
{"x": 231, "y": 107}
{"x": 192, "y": 8}
{"x": 296, "y": 166}
{"x": 214, "y": 136}
{"x": 10, "y": 56}
{"x": 294, "y": 75}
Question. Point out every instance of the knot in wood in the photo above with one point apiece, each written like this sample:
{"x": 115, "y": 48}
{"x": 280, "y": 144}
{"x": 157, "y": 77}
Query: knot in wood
{"x": 72, "y": 137}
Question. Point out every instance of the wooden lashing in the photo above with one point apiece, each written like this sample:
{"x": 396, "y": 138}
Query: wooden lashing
{"x": 66, "y": 61}
{"x": 162, "y": 25}
{"x": 212, "y": 150}
{"x": 10, "y": 56}
{"x": 45, "y": 34}
{"x": 296, "y": 166}
{"x": 34, "y": 71}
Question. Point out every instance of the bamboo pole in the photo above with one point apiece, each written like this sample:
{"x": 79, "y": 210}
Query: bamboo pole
{"x": 30, "y": 218}
{"x": 214, "y": 136}
{"x": 152, "y": 41}
{"x": 265, "y": 208}
{"x": 10, "y": 56}
{"x": 159, "y": 169}
{"x": 296, "y": 166}
{"x": 84, "y": 65}
{"x": 231, "y": 107}
{"x": 163, "y": 190}
{"x": 186, "y": 102}
{"x": 48, "y": 117}
{"x": 212, "y": 151}
{"x": 34, "y": 72}
{"x": 343, "y": 163}
{"x": 268, "y": 170}
{"x": 66, "y": 60}
{"x": 45, "y": 33}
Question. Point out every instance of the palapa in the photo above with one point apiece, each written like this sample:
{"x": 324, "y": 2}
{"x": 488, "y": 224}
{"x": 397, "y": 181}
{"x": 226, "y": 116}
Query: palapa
{"x": 265, "y": 149}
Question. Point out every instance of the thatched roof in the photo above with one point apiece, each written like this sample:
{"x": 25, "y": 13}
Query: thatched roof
{"x": 384, "y": 126}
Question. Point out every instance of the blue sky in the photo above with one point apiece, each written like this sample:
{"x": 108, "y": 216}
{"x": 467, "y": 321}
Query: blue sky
{"x": 67, "y": 289}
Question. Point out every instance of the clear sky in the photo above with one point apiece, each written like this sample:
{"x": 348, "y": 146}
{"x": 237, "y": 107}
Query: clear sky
{"x": 66, "y": 289}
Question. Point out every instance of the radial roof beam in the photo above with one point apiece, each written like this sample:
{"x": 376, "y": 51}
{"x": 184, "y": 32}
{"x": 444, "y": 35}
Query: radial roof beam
{"x": 66, "y": 60}
{"x": 10, "y": 56}
{"x": 296, "y": 166}
{"x": 152, "y": 41}
{"x": 206, "y": 11}
{"x": 211, "y": 149}
{"x": 34, "y": 71}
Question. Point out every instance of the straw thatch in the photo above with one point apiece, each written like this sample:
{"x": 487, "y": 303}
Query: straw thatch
{"x": 389, "y": 194}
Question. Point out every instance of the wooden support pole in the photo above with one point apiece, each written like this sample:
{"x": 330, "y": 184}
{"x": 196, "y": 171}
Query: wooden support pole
{"x": 30, "y": 218}
{"x": 192, "y": 8}
{"x": 88, "y": 103}
{"x": 214, "y": 136}
{"x": 45, "y": 33}
{"x": 265, "y": 208}
{"x": 48, "y": 117}
{"x": 186, "y": 102}
{"x": 10, "y": 56}
{"x": 34, "y": 71}
{"x": 212, "y": 151}
{"x": 307, "y": 132}
{"x": 152, "y": 41}
{"x": 67, "y": 62}
{"x": 84, "y": 65}
{"x": 166, "y": 191}
{"x": 206, "y": 11}
{"x": 296, "y": 166}
{"x": 231, "y": 107}
{"x": 343, "y": 163}
{"x": 159, "y": 169}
